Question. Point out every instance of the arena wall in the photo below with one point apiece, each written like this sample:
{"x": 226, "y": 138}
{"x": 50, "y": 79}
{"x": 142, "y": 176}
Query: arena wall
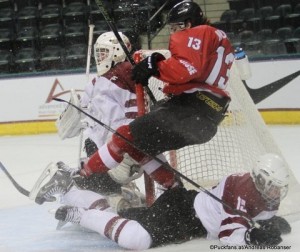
{"x": 27, "y": 108}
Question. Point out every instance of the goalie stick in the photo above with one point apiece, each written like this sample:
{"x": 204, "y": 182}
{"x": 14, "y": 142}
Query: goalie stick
{"x": 49, "y": 171}
{"x": 114, "y": 29}
{"x": 166, "y": 165}
{"x": 14, "y": 182}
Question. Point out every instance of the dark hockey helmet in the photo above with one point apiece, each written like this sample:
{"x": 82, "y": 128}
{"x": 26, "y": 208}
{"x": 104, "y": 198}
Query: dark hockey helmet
{"x": 186, "y": 11}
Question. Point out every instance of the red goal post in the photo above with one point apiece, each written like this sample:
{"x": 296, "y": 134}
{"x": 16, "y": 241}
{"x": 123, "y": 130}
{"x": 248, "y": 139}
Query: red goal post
{"x": 143, "y": 103}
{"x": 241, "y": 138}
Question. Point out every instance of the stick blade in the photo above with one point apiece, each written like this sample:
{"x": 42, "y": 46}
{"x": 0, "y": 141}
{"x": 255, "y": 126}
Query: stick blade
{"x": 14, "y": 182}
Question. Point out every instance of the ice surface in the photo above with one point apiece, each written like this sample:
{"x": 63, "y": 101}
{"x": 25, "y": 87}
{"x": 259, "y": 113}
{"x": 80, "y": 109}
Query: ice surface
{"x": 25, "y": 226}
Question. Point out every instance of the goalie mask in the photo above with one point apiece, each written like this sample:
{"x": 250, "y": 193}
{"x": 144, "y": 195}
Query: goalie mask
{"x": 183, "y": 12}
{"x": 271, "y": 178}
{"x": 108, "y": 51}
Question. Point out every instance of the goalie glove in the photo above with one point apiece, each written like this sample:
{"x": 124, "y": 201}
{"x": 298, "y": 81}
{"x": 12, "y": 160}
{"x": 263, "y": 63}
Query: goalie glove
{"x": 146, "y": 68}
{"x": 263, "y": 236}
{"x": 69, "y": 122}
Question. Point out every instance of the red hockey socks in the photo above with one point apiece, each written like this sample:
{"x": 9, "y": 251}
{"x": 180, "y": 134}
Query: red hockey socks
{"x": 93, "y": 165}
{"x": 118, "y": 146}
{"x": 111, "y": 155}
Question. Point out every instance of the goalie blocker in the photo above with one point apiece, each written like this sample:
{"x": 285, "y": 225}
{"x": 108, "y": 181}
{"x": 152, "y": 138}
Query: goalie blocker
{"x": 180, "y": 111}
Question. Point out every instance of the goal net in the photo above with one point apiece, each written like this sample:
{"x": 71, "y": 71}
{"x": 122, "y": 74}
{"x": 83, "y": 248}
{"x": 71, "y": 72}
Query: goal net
{"x": 241, "y": 138}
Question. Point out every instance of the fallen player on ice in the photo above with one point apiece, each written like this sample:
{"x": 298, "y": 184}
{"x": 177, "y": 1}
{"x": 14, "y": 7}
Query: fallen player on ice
{"x": 180, "y": 215}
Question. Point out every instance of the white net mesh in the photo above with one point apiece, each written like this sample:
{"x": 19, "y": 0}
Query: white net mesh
{"x": 241, "y": 138}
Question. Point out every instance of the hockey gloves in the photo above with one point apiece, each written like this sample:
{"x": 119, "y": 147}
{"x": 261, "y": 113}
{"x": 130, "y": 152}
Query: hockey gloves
{"x": 262, "y": 236}
{"x": 276, "y": 222}
{"x": 146, "y": 68}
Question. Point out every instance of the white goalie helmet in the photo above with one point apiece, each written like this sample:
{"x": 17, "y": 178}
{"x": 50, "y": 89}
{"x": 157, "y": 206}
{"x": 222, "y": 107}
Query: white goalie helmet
{"x": 108, "y": 51}
{"x": 271, "y": 177}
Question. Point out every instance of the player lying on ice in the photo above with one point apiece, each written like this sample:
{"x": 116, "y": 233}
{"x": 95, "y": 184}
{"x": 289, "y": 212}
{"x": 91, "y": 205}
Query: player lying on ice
{"x": 111, "y": 98}
{"x": 180, "y": 215}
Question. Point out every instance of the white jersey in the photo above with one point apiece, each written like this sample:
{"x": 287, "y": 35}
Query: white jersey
{"x": 111, "y": 99}
{"x": 239, "y": 192}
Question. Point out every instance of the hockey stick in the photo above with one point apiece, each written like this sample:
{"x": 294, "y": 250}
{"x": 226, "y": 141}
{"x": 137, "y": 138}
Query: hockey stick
{"x": 14, "y": 182}
{"x": 114, "y": 29}
{"x": 165, "y": 165}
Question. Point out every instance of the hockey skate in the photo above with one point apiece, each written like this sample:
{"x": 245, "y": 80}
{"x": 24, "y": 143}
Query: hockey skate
{"x": 53, "y": 181}
{"x": 69, "y": 214}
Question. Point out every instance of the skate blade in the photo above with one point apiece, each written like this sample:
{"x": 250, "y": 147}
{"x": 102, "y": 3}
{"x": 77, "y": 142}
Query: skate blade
{"x": 45, "y": 177}
{"x": 60, "y": 225}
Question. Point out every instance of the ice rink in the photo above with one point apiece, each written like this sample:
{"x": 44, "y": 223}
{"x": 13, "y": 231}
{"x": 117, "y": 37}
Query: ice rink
{"x": 25, "y": 226}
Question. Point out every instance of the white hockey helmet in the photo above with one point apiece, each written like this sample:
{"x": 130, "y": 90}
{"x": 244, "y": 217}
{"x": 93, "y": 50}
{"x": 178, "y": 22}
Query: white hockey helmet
{"x": 108, "y": 51}
{"x": 271, "y": 177}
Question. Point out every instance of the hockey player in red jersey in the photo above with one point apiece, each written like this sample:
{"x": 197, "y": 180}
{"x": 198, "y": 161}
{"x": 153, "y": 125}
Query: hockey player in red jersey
{"x": 197, "y": 73}
{"x": 191, "y": 214}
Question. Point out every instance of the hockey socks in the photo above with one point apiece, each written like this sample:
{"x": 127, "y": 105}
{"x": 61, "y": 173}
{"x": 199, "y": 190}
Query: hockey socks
{"x": 111, "y": 155}
{"x": 83, "y": 198}
{"x": 93, "y": 165}
{"x": 127, "y": 233}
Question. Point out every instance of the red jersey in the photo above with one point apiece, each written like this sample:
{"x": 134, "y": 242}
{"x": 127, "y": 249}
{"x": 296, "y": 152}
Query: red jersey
{"x": 201, "y": 58}
{"x": 120, "y": 75}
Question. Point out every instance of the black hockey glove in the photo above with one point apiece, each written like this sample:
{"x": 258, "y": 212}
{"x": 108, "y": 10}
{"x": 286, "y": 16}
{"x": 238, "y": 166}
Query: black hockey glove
{"x": 276, "y": 222}
{"x": 146, "y": 68}
{"x": 262, "y": 237}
